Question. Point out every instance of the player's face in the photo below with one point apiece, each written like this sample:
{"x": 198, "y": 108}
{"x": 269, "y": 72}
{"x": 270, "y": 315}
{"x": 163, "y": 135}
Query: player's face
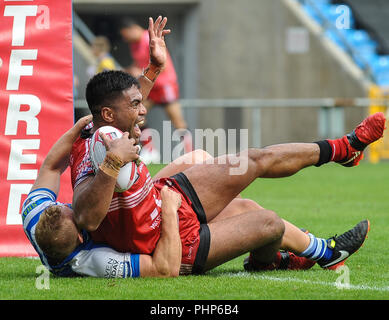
{"x": 131, "y": 34}
{"x": 130, "y": 112}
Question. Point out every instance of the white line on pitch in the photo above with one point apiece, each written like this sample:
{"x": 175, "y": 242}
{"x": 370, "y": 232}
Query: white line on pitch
{"x": 323, "y": 283}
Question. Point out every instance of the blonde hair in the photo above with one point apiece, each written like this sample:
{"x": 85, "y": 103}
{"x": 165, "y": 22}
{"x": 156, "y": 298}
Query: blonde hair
{"x": 54, "y": 235}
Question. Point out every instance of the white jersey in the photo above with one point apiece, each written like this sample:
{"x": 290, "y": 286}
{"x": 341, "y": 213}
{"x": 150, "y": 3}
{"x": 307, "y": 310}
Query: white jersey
{"x": 89, "y": 258}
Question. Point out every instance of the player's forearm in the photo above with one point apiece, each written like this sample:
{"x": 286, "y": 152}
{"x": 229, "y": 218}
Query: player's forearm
{"x": 147, "y": 79}
{"x": 167, "y": 254}
{"x": 57, "y": 159}
{"x": 93, "y": 197}
{"x": 58, "y": 156}
{"x": 91, "y": 201}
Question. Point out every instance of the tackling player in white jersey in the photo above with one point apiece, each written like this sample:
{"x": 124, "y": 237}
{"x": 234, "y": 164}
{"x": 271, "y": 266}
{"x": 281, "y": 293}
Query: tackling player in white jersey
{"x": 88, "y": 258}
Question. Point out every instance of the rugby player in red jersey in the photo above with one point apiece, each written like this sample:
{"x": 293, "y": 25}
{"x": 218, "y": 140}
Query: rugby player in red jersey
{"x": 206, "y": 192}
{"x": 68, "y": 250}
{"x": 130, "y": 221}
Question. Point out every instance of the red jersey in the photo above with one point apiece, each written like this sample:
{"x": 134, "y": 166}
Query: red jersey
{"x": 132, "y": 223}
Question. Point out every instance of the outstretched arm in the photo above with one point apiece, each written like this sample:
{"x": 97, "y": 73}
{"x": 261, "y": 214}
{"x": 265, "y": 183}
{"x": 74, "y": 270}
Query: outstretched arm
{"x": 57, "y": 159}
{"x": 158, "y": 55}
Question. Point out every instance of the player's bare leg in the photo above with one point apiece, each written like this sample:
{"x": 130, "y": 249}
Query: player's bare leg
{"x": 271, "y": 162}
{"x": 293, "y": 240}
{"x": 218, "y": 183}
{"x": 233, "y": 234}
{"x": 243, "y": 224}
{"x": 216, "y": 186}
{"x": 257, "y": 232}
{"x": 277, "y": 161}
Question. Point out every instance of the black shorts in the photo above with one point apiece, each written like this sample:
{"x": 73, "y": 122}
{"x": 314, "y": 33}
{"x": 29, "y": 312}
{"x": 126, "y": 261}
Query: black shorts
{"x": 205, "y": 235}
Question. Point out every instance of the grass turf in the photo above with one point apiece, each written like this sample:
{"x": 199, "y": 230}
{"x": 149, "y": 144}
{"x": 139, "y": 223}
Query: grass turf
{"x": 326, "y": 201}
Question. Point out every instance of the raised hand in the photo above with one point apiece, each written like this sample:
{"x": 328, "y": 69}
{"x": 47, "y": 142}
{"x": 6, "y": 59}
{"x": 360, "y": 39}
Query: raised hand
{"x": 157, "y": 32}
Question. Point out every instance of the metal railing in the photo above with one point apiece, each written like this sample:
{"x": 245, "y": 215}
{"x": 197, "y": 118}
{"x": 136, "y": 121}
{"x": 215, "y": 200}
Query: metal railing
{"x": 331, "y": 118}
{"x": 266, "y": 103}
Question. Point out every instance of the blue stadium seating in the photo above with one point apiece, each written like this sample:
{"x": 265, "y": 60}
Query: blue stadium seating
{"x": 364, "y": 48}
{"x": 380, "y": 63}
{"x": 359, "y": 38}
{"x": 336, "y": 15}
{"x": 358, "y": 43}
{"x": 312, "y": 13}
{"x": 335, "y": 37}
{"x": 380, "y": 68}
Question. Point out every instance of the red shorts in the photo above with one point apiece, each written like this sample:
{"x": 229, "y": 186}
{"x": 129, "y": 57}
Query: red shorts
{"x": 168, "y": 92}
{"x": 194, "y": 231}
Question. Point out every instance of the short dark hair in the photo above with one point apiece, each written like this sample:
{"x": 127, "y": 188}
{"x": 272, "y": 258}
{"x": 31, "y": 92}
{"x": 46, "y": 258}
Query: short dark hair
{"x": 127, "y": 23}
{"x": 107, "y": 86}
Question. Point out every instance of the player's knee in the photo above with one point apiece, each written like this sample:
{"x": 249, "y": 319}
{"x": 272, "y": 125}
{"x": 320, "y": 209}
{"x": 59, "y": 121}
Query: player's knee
{"x": 274, "y": 225}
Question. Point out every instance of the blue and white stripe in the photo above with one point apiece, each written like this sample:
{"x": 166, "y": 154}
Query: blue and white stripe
{"x": 317, "y": 249}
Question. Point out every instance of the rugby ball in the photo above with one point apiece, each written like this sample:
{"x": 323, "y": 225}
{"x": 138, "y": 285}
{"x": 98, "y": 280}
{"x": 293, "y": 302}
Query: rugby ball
{"x": 128, "y": 173}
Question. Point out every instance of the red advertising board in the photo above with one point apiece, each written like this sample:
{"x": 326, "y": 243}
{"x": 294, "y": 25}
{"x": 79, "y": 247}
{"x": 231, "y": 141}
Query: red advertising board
{"x": 36, "y": 104}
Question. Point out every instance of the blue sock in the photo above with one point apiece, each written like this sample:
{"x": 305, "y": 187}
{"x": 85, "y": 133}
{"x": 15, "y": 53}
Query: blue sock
{"x": 317, "y": 249}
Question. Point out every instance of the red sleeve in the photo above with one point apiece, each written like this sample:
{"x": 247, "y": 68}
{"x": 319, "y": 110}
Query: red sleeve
{"x": 80, "y": 164}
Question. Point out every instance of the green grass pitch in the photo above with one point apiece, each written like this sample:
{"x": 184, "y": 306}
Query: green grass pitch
{"x": 327, "y": 201}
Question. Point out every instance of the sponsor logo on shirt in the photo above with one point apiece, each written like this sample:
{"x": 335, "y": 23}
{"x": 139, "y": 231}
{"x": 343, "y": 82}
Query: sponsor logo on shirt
{"x": 114, "y": 268}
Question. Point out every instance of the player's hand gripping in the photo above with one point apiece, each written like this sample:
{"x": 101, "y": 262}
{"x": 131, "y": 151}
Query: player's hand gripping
{"x": 124, "y": 148}
{"x": 171, "y": 200}
{"x": 158, "y": 51}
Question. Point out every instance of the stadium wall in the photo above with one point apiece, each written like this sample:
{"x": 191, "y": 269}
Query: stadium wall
{"x": 239, "y": 50}
{"x": 243, "y": 54}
